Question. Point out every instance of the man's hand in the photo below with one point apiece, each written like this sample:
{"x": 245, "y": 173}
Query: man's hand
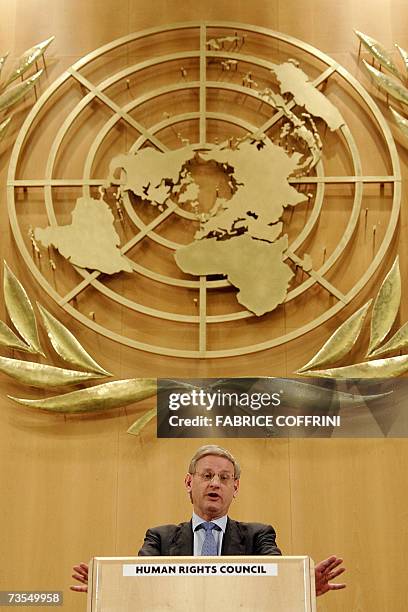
{"x": 328, "y": 570}
{"x": 81, "y": 574}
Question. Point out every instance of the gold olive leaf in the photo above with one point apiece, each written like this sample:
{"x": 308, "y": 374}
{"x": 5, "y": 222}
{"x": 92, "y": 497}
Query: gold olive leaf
{"x": 8, "y": 338}
{"x": 379, "y": 53}
{"x": 21, "y": 311}
{"x": 115, "y": 394}
{"x": 28, "y": 58}
{"x": 388, "y": 84}
{"x": 10, "y": 96}
{"x": 4, "y": 125}
{"x": 397, "y": 342}
{"x": 379, "y": 368}
{"x": 341, "y": 341}
{"x": 67, "y": 346}
{"x": 141, "y": 422}
{"x": 400, "y": 121}
{"x": 13, "y": 95}
{"x": 42, "y": 375}
{"x": 3, "y": 59}
{"x": 384, "y": 312}
{"x": 385, "y": 307}
{"x": 404, "y": 54}
{"x": 395, "y": 89}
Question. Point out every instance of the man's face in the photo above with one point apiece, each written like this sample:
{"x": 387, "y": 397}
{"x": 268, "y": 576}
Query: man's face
{"x": 212, "y": 497}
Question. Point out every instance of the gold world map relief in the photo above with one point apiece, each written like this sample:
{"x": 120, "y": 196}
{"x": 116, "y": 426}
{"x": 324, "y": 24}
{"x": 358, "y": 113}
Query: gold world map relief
{"x": 199, "y": 200}
{"x": 236, "y": 188}
{"x": 242, "y": 229}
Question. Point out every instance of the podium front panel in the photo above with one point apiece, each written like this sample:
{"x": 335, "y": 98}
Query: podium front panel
{"x": 201, "y": 584}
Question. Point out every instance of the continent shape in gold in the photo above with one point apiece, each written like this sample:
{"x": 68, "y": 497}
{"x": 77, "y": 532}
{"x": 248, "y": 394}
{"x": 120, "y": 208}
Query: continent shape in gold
{"x": 293, "y": 80}
{"x": 255, "y": 267}
{"x": 263, "y": 192}
{"x": 90, "y": 241}
{"x": 148, "y": 169}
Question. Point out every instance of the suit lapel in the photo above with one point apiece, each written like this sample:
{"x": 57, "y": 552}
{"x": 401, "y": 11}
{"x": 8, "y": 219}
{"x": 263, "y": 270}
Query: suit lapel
{"x": 181, "y": 544}
{"x": 233, "y": 542}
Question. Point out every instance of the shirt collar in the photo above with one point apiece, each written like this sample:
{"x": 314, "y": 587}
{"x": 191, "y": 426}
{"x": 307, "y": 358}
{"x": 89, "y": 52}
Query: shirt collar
{"x": 220, "y": 522}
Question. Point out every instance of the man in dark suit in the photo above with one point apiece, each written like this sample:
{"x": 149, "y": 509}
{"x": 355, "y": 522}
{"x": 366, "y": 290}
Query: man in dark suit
{"x": 239, "y": 539}
{"x": 212, "y": 482}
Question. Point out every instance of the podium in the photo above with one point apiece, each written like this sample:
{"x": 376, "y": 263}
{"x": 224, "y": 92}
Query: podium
{"x": 201, "y": 584}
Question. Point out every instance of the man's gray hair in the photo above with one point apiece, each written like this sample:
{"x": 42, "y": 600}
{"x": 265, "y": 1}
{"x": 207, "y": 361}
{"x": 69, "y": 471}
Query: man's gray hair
{"x": 213, "y": 449}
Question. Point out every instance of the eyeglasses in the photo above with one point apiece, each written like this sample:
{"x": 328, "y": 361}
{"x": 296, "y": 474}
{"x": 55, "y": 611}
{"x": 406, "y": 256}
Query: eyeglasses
{"x": 224, "y": 478}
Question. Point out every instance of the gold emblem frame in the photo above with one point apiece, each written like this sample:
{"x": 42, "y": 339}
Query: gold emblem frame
{"x": 202, "y": 32}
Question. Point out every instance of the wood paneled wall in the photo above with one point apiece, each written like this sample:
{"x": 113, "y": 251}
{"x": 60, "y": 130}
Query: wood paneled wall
{"x": 74, "y": 487}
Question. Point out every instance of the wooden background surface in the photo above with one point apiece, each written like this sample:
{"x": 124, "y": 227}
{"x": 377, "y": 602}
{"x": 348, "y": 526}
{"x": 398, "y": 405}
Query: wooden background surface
{"x": 76, "y": 487}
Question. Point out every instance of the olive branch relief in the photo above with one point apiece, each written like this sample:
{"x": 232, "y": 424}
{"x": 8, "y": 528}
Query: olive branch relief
{"x": 102, "y": 397}
{"x": 384, "y": 313}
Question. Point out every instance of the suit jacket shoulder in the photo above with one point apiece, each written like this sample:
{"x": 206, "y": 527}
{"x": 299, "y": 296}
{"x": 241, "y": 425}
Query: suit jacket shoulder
{"x": 168, "y": 540}
{"x": 239, "y": 539}
{"x": 249, "y": 539}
